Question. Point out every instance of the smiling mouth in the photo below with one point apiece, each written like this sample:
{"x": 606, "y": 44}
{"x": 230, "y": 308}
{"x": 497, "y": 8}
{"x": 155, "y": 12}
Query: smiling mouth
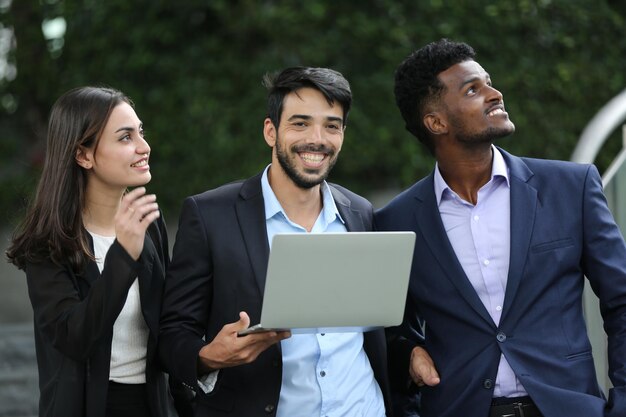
{"x": 139, "y": 164}
{"x": 312, "y": 158}
{"x": 495, "y": 112}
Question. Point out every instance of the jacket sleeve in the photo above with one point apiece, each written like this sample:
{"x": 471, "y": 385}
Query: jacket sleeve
{"x": 604, "y": 264}
{"x": 186, "y": 298}
{"x": 76, "y": 324}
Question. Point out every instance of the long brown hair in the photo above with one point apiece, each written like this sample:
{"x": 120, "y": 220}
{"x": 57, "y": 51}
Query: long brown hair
{"x": 53, "y": 226}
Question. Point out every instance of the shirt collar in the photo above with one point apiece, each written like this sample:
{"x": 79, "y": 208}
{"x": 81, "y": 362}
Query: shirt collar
{"x": 273, "y": 207}
{"x": 498, "y": 169}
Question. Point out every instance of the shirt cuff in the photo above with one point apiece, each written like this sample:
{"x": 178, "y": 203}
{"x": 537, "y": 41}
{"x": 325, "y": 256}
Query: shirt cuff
{"x": 207, "y": 382}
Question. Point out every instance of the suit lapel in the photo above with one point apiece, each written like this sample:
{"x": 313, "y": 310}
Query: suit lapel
{"x": 91, "y": 272}
{"x": 150, "y": 261}
{"x": 353, "y": 219}
{"x": 250, "y": 210}
{"x": 523, "y": 209}
{"x": 434, "y": 234}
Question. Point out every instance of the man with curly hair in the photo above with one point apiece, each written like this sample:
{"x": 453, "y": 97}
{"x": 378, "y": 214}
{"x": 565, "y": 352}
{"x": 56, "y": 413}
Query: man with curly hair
{"x": 494, "y": 322}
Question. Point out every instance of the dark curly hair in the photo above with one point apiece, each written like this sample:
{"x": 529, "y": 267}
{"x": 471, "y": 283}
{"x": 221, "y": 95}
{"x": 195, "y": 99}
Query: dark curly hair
{"x": 417, "y": 83}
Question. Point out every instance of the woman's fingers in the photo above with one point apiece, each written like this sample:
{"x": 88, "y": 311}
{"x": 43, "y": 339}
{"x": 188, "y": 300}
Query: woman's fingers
{"x": 137, "y": 210}
{"x": 138, "y": 205}
{"x": 141, "y": 213}
{"x": 129, "y": 198}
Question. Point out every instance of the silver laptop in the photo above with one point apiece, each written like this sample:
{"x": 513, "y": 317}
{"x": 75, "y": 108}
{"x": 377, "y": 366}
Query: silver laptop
{"x": 336, "y": 282}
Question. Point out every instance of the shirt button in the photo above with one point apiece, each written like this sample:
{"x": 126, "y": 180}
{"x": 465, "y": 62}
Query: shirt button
{"x": 487, "y": 384}
{"x": 501, "y": 337}
{"x": 499, "y": 308}
{"x": 323, "y": 374}
{"x": 486, "y": 261}
{"x": 476, "y": 218}
{"x": 269, "y": 408}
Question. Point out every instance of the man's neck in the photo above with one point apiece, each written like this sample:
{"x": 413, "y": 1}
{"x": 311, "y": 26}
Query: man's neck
{"x": 302, "y": 205}
{"x": 466, "y": 170}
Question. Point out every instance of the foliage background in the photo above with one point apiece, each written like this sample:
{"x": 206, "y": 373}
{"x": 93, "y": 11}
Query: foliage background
{"x": 194, "y": 70}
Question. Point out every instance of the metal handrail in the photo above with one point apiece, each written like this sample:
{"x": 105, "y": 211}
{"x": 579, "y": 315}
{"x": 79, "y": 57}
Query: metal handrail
{"x": 599, "y": 128}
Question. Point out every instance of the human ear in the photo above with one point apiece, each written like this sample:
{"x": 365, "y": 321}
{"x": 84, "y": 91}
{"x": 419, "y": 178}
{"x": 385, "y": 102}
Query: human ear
{"x": 84, "y": 157}
{"x": 435, "y": 123}
{"x": 269, "y": 132}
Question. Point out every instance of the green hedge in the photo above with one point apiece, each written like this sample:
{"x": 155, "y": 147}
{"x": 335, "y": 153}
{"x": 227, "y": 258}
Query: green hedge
{"x": 194, "y": 70}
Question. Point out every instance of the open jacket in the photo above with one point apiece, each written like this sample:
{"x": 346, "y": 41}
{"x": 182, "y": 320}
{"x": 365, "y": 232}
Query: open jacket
{"x": 561, "y": 232}
{"x": 218, "y": 269}
{"x": 73, "y": 322}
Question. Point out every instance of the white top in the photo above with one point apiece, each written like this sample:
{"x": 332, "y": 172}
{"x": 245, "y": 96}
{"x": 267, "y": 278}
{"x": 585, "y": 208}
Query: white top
{"x": 130, "y": 332}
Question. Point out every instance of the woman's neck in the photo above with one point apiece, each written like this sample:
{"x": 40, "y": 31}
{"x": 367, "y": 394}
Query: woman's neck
{"x": 99, "y": 211}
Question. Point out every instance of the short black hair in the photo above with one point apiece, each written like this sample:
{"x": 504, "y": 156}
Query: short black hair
{"x": 329, "y": 82}
{"x": 416, "y": 82}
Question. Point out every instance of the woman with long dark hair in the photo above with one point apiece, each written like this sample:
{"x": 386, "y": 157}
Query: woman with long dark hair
{"x": 95, "y": 256}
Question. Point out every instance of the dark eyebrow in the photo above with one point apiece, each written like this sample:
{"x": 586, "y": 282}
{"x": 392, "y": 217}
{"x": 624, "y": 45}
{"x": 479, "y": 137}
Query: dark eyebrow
{"x": 307, "y": 117}
{"x": 128, "y": 129}
{"x": 299, "y": 116}
{"x": 334, "y": 119}
{"x": 473, "y": 80}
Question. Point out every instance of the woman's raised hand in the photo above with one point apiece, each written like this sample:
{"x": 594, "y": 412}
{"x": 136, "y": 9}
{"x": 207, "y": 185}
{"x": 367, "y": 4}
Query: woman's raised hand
{"x": 135, "y": 214}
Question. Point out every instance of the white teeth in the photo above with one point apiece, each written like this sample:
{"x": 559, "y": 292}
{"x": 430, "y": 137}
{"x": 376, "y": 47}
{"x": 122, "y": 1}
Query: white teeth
{"x": 494, "y": 112}
{"x": 141, "y": 163}
{"x": 312, "y": 157}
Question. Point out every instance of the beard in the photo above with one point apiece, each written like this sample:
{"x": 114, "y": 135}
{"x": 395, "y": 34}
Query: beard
{"x": 486, "y": 136}
{"x": 309, "y": 178}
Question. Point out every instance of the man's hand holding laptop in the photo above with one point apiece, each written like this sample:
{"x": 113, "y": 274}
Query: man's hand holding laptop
{"x": 229, "y": 349}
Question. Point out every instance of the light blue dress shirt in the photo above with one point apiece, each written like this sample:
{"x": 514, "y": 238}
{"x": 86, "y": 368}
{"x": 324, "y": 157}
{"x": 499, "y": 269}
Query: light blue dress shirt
{"x": 481, "y": 235}
{"x": 326, "y": 375}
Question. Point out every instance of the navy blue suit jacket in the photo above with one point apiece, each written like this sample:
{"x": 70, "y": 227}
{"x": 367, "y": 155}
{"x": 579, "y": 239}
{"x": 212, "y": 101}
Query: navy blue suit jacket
{"x": 561, "y": 231}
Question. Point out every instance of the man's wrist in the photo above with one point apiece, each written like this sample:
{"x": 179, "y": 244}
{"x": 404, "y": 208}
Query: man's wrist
{"x": 205, "y": 365}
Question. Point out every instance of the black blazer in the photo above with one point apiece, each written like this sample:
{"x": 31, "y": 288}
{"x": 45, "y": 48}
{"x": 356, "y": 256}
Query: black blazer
{"x": 218, "y": 269}
{"x": 73, "y": 319}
